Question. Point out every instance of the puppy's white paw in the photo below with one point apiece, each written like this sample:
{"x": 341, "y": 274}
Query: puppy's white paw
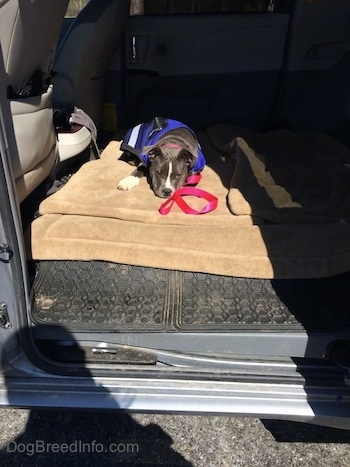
{"x": 128, "y": 183}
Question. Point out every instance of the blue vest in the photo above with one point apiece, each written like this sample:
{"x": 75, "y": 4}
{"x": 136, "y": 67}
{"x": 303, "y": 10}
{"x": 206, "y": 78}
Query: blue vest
{"x": 148, "y": 134}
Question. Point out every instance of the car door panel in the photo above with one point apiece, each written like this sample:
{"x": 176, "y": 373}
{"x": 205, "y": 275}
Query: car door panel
{"x": 204, "y": 69}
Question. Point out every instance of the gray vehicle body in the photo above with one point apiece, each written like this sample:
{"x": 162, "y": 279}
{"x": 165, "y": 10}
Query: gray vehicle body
{"x": 286, "y": 373}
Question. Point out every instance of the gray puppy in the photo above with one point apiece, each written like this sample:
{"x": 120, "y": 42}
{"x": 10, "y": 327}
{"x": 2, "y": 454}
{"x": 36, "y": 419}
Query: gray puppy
{"x": 166, "y": 150}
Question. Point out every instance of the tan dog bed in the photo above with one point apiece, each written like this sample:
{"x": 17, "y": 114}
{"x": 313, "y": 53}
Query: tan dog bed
{"x": 288, "y": 178}
{"x": 89, "y": 219}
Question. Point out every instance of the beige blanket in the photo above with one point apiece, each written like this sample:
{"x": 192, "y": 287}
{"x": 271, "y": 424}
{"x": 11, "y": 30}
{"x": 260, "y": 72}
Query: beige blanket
{"x": 93, "y": 192}
{"x": 89, "y": 219}
{"x": 288, "y": 178}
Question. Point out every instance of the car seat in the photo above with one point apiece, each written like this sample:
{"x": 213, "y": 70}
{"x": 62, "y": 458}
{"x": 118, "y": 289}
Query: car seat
{"x": 84, "y": 54}
{"x": 28, "y": 39}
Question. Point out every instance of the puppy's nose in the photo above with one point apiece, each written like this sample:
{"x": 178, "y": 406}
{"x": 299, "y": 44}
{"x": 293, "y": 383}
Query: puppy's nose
{"x": 167, "y": 192}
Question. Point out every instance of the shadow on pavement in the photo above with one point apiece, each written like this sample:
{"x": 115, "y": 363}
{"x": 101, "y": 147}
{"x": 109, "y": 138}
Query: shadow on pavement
{"x": 295, "y": 432}
{"x": 93, "y": 437}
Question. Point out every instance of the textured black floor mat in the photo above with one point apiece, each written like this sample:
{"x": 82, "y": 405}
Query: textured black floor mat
{"x": 100, "y": 296}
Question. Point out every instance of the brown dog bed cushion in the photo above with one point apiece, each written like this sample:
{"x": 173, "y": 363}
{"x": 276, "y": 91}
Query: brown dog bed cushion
{"x": 92, "y": 191}
{"x": 89, "y": 219}
{"x": 286, "y": 177}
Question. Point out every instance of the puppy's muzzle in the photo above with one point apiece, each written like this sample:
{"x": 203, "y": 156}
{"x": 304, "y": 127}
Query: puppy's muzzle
{"x": 166, "y": 192}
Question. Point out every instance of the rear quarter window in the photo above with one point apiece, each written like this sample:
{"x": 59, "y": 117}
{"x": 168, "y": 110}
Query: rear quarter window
{"x": 74, "y": 7}
{"x": 169, "y": 7}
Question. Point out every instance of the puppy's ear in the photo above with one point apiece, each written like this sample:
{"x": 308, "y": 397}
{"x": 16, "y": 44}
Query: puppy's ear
{"x": 154, "y": 152}
{"x": 188, "y": 157}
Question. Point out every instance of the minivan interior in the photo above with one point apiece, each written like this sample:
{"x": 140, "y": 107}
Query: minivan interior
{"x": 115, "y": 284}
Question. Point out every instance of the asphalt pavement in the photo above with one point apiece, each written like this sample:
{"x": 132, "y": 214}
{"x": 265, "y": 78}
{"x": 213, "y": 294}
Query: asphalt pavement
{"x": 50, "y": 438}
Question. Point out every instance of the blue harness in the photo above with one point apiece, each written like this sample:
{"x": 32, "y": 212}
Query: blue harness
{"x": 148, "y": 134}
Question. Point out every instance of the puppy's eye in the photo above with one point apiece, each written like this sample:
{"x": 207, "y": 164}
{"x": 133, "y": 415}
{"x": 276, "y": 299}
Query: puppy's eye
{"x": 158, "y": 172}
{"x": 177, "y": 176}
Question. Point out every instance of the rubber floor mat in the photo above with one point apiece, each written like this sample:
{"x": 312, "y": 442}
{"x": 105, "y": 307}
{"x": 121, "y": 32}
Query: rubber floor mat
{"x": 100, "y": 296}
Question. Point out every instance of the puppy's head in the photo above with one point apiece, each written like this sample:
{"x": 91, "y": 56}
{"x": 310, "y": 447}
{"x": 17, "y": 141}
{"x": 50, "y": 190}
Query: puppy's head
{"x": 168, "y": 169}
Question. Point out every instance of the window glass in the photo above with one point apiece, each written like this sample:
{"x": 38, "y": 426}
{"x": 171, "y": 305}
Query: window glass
{"x": 169, "y": 7}
{"x": 74, "y": 7}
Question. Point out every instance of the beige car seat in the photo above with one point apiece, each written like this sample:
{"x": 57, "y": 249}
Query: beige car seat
{"x": 84, "y": 55}
{"x": 29, "y": 30}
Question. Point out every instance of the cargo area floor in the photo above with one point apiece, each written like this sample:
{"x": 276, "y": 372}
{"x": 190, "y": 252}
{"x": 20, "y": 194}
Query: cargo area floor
{"x": 101, "y": 296}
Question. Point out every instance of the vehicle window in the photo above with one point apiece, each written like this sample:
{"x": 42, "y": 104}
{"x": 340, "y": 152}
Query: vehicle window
{"x": 169, "y": 7}
{"x": 74, "y": 7}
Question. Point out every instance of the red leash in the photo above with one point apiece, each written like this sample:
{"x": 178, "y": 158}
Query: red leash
{"x": 177, "y": 197}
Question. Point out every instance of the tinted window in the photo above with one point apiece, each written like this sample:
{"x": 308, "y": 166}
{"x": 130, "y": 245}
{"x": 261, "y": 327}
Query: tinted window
{"x": 168, "y": 7}
{"x": 74, "y": 7}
